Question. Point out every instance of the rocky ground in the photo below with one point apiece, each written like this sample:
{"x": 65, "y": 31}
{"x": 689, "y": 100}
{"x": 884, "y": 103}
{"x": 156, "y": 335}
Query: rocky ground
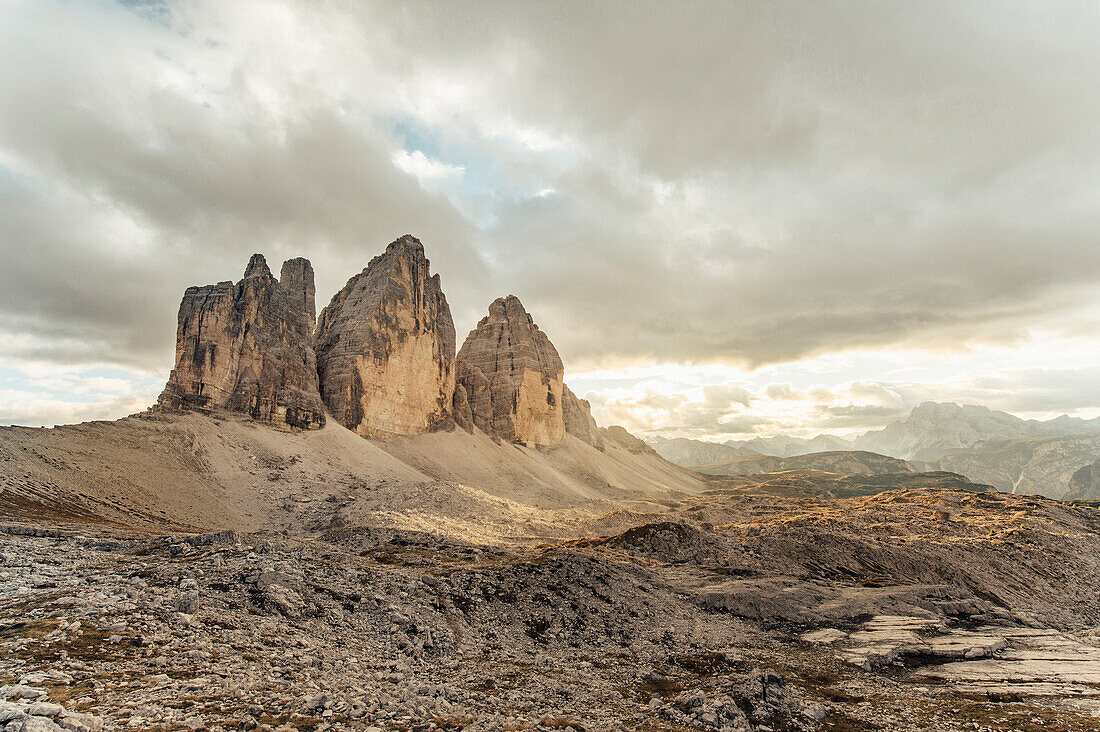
{"x": 742, "y": 609}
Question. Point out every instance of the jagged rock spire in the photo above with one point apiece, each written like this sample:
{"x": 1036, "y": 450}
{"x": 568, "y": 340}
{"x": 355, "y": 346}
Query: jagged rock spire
{"x": 248, "y": 348}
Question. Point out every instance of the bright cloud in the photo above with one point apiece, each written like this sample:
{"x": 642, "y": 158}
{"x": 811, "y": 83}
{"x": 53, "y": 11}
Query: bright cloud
{"x": 425, "y": 169}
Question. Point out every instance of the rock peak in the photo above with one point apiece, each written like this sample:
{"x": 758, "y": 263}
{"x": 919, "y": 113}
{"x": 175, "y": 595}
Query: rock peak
{"x": 248, "y": 348}
{"x": 386, "y": 347}
{"x": 509, "y": 378}
{"x": 407, "y": 241}
{"x": 257, "y": 266}
{"x": 296, "y": 278}
{"x": 508, "y": 308}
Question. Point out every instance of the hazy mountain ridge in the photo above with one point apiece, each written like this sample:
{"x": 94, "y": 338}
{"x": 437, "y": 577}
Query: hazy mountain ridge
{"x": 783, "y": 446}
{"x": 1039, "y": 465}
{"x": 988, "y": 446}
{"x": 844, "y": 462}
{"x": 934, "y": 429}
{"x": 688, "y": 452}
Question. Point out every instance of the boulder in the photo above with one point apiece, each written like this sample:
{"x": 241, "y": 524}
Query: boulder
{"x": 509, "y": 378}
{"x": 386, "y": 347}
{"x": 247, "y": 348}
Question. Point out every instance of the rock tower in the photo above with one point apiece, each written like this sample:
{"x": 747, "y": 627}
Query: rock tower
{"x": 386, "y": 347}
{"x": 248, "y": 348}
{"x": 509, "y": 378}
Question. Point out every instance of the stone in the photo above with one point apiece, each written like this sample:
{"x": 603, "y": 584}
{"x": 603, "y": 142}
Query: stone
{"x": 283, "y": 600}
{"x": 38, "y": 724}
{"x": 512, "y": 378}
{"x": 247, "y": 348}
{"x": 45, "y": 709}
{"x": 50, "y": 675}
{"x": 386, "y": 347}
{"x": 188, "y": 602}
{"x": 824, "y": 635}
{"x": 21, "y": 691}
{"x": 77, "y": 722}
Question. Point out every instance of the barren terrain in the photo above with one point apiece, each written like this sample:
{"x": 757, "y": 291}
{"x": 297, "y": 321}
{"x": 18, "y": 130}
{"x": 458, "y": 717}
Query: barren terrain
{"x": 185, "y": 572}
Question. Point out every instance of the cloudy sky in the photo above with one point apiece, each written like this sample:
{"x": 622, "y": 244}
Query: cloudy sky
{"x": 732, "y": 219}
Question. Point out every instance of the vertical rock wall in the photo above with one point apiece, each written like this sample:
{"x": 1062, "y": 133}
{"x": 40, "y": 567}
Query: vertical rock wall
{"x": 386, "y": 347}
{"x": 577, "y": 414}
{"x": 247, "y": 348}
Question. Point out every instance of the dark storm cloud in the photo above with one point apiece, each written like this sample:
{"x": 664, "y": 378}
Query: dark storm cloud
{"x": 740, "y": 182}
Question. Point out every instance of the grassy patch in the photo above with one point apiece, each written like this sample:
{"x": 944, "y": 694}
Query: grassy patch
{"x": 32, "y": 629}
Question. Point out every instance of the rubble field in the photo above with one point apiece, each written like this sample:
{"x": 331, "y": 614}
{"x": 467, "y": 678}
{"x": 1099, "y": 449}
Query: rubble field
{"x": 740, "y": 609}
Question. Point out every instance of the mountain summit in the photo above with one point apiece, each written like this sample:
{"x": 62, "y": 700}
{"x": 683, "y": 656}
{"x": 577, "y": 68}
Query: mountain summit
{"x": 510, "y": 378}
{"x": 248, "y": 347}
{"x": 386, "y": 347}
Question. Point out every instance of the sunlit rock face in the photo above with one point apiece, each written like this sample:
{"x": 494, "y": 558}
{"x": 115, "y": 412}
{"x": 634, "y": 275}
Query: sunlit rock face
{"x": 386, "y": 347}
{"x": 509, "y": 378}
{"x": 247, "y": 347}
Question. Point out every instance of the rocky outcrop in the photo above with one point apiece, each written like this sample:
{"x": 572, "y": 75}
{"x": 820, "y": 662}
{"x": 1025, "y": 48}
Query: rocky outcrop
{"x": 619, "y": 436}
{"x": 577, "y": 414}
{"x": 509, "y": 378}
{"x": 381, "y": 357}
{"x": 386, "y": 347}
{"x": 1084, "y": 484}
{"x": 296, "y": 279}
{"x": 247, "y": 348}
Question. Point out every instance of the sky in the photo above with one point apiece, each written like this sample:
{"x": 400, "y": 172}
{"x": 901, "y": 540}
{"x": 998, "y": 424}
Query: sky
{"x": 732, "y": 219}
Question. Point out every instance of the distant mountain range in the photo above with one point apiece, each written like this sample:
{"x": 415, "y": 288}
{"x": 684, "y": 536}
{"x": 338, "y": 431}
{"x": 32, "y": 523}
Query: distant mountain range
{"x": 933, "y": 430}
{"x": 844, "y": 462}
{"x": 687, "y": 452}
{"x": 987, "y": 446}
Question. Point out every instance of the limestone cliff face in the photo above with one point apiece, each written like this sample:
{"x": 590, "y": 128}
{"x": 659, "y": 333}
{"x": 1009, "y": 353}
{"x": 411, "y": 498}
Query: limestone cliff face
{"x": 577, "y": 414}
{"x": 247, "y": 348}
{"x": 296, "y": 279}
{"x": 386, "y": 347}
{"x": 509, "y": 378}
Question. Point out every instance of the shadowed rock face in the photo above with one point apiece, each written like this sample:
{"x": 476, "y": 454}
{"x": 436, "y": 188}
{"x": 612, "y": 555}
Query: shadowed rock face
{"x": 247, "y": 347}
{"x": 577, "y": 414}
{"x": 296, "y": 279}
{"x": 386, "y": 347}
{"x": 510, "y": 378}
{"x": 1084, "y": 484}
